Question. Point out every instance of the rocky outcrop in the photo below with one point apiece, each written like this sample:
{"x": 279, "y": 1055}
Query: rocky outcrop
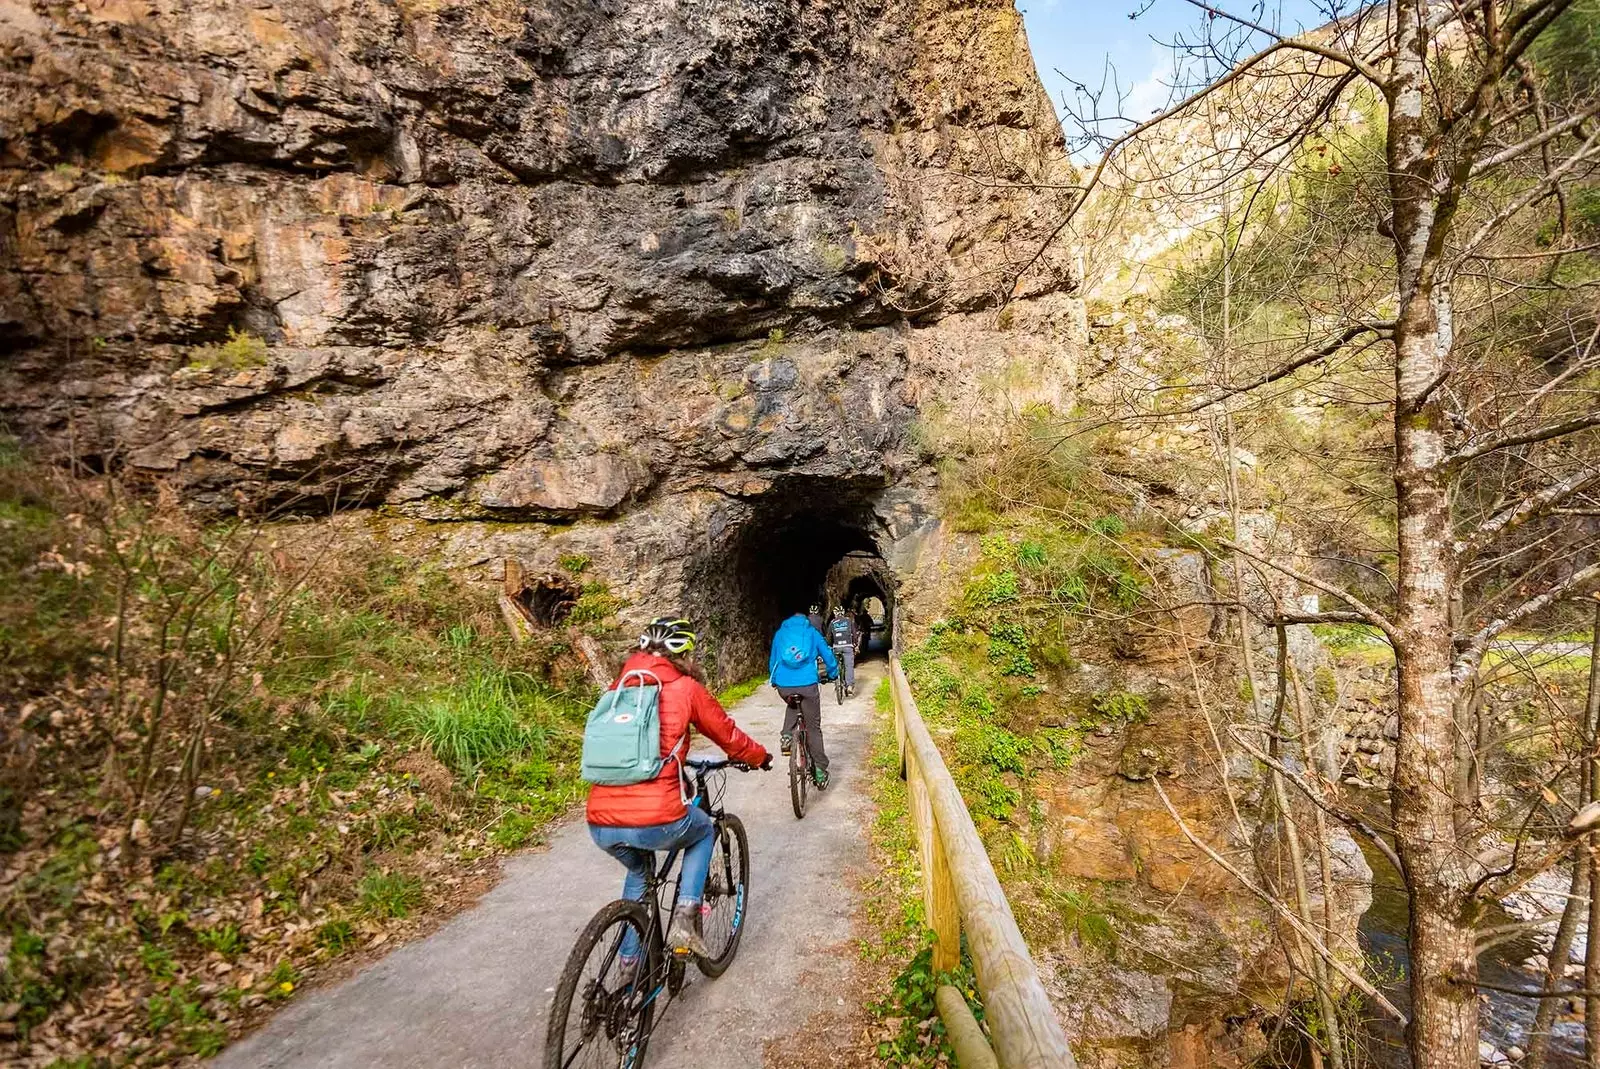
{"x": 635, "y": 276}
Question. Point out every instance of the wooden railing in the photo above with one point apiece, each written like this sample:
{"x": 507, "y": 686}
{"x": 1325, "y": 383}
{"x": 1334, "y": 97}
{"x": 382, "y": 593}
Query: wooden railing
{"x": 961, "y": 892}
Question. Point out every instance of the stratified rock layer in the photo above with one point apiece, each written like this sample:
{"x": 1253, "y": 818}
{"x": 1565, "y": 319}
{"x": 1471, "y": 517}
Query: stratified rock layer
{"x": 468, "y": 231}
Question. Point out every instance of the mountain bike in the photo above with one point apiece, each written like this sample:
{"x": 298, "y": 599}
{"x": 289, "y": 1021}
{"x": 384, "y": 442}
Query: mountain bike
{"x": 799, "y": 758}
{"x": 611, "y": 990}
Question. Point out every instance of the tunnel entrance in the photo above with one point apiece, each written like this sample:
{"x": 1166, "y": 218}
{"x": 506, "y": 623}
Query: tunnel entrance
{"x": 804, "y": 542}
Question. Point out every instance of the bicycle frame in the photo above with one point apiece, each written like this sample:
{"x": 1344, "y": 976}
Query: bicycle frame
{"x": 664, "y": 976}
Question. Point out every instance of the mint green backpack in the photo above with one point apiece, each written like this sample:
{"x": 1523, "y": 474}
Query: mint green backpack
{"x": 622, "y": 740}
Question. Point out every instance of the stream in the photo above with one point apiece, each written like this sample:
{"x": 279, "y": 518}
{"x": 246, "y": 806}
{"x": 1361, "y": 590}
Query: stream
{"x": 1505, "y": 1019}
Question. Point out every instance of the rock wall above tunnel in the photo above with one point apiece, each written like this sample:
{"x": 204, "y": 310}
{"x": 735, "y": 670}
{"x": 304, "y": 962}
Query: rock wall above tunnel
{"x": 634, "y": 277}
{"x": 455, "y": 239}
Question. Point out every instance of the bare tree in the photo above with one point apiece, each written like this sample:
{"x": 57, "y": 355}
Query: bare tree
{"x": 1461, "y": 309}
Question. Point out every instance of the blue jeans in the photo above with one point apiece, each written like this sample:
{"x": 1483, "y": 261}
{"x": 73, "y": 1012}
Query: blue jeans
{"x": 636, "y": 849}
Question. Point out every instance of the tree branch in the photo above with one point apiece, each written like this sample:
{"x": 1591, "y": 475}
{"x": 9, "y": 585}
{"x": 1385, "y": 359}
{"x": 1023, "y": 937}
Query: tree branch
{"x": 1508, "y": 439}
{"x": 1355, "y": 978}
{"x": 1368, "y": 613}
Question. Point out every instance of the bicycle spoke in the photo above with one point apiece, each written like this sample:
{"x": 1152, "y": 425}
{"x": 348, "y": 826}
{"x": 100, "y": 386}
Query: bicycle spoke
{"x": 604, "y": 1018}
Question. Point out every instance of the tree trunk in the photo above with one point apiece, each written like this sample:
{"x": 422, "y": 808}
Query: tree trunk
{"x": 1555, "y": 968}
{"x": 1443, "y": 1033}
{"x": 1586, "y": 854}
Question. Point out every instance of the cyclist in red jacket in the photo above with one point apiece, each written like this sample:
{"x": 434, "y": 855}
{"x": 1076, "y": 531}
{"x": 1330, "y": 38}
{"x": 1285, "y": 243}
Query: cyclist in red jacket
{"x": 631, "y": 823}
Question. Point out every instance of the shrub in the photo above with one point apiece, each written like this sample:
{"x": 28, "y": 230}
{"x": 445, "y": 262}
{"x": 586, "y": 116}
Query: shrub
{"x": 241, "y": 350}
{"x": 513, "y": 831}
{"x": 336, "y": 935}
{"x": 224, "y": 939}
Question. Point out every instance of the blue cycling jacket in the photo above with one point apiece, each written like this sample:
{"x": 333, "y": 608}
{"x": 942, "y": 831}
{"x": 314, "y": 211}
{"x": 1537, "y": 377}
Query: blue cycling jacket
{"x": 795, "y": 649}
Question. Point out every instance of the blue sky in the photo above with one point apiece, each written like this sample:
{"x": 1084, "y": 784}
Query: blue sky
{"x": 1076, "y": 37}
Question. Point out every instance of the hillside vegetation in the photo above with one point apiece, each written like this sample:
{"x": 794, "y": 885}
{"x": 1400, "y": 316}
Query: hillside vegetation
{"x": 243, "y": 755}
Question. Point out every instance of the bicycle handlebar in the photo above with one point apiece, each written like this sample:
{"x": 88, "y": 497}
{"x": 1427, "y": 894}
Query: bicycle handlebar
{"x": 711, "y": 764}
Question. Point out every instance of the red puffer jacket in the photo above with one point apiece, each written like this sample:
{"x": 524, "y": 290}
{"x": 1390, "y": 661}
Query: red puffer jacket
{"x": 684, "y": 702}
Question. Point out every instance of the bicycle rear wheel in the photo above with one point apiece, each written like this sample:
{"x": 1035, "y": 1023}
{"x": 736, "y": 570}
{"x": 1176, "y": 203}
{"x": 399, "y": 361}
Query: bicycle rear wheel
{"x": 798, "y": 774}
{"x": 838, "y": 688}
{"x": 604, "y": 1006}
{"x": 727, "y": 896}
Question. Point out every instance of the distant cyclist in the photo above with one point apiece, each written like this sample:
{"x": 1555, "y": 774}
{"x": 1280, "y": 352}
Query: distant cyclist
{"x": 814, "y": 617}
{"x": 795, "y": 650}
{"x": 863, "y": 628}
{"x": 842, "y": 637}
{"x": 631, "y": 823}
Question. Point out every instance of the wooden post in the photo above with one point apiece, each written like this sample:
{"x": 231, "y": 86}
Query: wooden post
{"x": 513, "y": 577}
{"x": 938, "y": 892}
{"x": 597, "y": 666}
{"x": 939, "y": 898}
{"x": 966, "y": 1037}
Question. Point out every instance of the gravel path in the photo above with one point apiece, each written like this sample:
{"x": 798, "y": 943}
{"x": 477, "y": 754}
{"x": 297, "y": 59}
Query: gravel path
{"x": 476, "y": 992}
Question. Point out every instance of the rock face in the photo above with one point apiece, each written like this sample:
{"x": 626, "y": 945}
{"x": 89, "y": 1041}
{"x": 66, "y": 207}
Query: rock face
{"x": 671, "y": 269}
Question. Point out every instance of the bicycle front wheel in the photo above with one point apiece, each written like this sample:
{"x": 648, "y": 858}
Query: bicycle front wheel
{"x": 604, "y": 1006}
{"x": 727, "y": 896}
{"x": 798, "y": 775}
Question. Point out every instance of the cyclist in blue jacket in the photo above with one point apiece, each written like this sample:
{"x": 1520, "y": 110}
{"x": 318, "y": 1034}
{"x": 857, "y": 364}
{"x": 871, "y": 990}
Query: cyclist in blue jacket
{"x": 793, "y": 667}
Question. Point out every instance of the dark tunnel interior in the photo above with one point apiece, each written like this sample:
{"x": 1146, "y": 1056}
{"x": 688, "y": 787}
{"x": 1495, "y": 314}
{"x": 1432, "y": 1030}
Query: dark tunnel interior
{"x": 794, "y": 547}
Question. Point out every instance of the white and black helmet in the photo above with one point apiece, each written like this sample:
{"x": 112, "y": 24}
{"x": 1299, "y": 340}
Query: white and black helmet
{"x": 670, "y": 633}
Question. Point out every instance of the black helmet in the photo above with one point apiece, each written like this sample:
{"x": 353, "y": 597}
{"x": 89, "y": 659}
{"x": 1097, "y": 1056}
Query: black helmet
{"x": 838, "y": 610}
{"x": 816, "y": 608}
{"x": 670, "y": 633}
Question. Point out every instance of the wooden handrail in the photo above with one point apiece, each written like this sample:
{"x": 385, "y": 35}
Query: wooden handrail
{"x": 961, "y": 891}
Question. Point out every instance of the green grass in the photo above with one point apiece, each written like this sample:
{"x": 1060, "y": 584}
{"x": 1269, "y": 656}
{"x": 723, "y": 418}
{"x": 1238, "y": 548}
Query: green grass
{"x": 484, "y": 721}
{"x": 224, "y": 939}
{"x": 738, "y": 692}
{"x": 320, "y": 805}
{"x": 386, "y": 894}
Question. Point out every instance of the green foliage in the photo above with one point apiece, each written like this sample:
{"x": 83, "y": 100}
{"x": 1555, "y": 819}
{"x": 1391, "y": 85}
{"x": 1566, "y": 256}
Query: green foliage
{"x": 390, "y": 894}
{"x": 224, "y": 939}
{"x": 1110, "y": 525}
{"x": 514, "y": 830}
{"x": 483, "y": 722}
{"x": 1008, "y": 649}
{"x": 242, "y": 350}
{"x": 1567, "y": 54}
{"x": 372, "y": 657}
{"x": 1041, "y": 459}
{"x": 1341, "y": 637}
{"x": 1116, "y": 708}
{"x": 1082, "y": 917}
{"x": 595, "y": 605}
{"x": 181, "y": 1010}
{"x": 995, "y": 588}
{"x": 574, "y": 562}
{"x": 336, "y": 936}
{"x": 738, "y": 692}
{"x": 921, "y": 1040}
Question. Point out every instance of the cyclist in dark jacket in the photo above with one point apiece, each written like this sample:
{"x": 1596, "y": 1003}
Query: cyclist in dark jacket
{"x": 842, "y": 637}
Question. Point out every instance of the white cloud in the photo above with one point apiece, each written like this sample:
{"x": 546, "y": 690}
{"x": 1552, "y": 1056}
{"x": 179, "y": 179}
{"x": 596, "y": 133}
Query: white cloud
{"x": 1151, "y": 93}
